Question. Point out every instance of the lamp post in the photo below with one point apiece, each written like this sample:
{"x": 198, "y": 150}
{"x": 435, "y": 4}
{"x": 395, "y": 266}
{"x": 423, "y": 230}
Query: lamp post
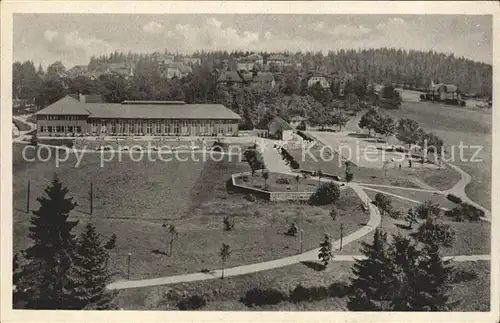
{"x": 341, "y": 235}
{"x": 301, "y": 240}
{"x": 129, "y": 255}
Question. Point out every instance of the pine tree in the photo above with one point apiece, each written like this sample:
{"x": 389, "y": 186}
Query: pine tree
{"x": 371, "y": 285}
{"x": 325, "y": 250}
{"x": 44, "y": 281}
{"x": 91, "y": 272}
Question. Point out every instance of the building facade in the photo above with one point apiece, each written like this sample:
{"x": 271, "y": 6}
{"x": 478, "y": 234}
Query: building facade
{"x": 72, "y": 117}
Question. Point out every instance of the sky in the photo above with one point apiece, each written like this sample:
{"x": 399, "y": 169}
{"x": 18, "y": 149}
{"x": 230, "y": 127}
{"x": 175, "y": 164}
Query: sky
{"x": 73, "y": 38}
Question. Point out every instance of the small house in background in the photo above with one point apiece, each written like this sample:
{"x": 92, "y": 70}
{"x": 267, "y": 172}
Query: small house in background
{"x": 280, "y": 129}
{"x": 296, "y": 121}
{"x": 321, "y": 79}
{"x": 229, "y": 77}
{"x": 444, "y": 92}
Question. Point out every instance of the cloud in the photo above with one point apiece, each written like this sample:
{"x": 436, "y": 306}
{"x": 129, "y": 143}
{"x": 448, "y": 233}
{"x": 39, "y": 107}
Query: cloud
{"x": 392, "y": 23}
{"x": 347, "y": 31}
{"x": 211, "y": 36}
{"x": 74, "y": 47}
{"x": 153, "y": 27}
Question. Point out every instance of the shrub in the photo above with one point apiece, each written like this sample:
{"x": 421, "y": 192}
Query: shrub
{"x": 228, "y": 223}
{"x": 396, "y": 214}
{"x": 460, "y": 275}
{"x": 383, "y": 202}
{"x": 454, "y": 198}
{"x": 435, "y": 233}
{"x": 339, "y": 289}
{"x": 465, "y": 211}
{"x": 427, "y": 209}
{"x": 326, "y": 193}
{"x": 301, "y": 126}
{"x": 299, "y": 294}
{"x": 283, "y": 180}
{"x": 191, "y": 303}
{"x": 250, "y": 197}
{"x": 259, "y": 297}
{"x": 293, "y": 230}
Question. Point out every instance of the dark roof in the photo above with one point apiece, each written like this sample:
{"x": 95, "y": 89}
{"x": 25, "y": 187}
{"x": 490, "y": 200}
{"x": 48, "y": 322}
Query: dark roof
{"x": 282, "y": 123}
{"x": 66, "y": 106}
{"x": 264, "y": 77}
{"x": 139, "y": 110}
{"x": 229, "y": 76}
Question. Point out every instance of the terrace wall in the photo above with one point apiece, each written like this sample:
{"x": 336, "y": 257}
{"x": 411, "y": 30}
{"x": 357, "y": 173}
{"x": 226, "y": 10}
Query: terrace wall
{"x": 271, "y": 196}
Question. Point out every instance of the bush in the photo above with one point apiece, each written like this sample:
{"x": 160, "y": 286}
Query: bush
{"x": 325, "y": 194}
{"x": 454, "y": 198}
{"x": 465, "y": 211}
{"x": 228, "y": 223}
{"x": 383, "y": 202}
{"x": 293, "y": 230}
{"x": 435, "y": 233}
{"x": 283, "y": 180}
{"x": 191, "y": 303}
{"x": 396, "y": 214}
{"x": 289, "y": 158}
{"x": 250, "y": 197}
{"x": 259, "y": 297}
{"x": 460, "y": 275}
{"x": 301, "y": 126}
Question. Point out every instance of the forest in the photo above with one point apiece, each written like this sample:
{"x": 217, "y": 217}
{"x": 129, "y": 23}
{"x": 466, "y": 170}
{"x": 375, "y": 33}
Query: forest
{"x": 290, "y": 96}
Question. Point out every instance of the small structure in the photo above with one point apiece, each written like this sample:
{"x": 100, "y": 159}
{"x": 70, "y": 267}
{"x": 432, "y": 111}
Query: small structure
{"x": 296, "y": 121}
{"x": 230, "y": 77}
{"x": 318, "y": 79}
{"x": 280, "y": 129}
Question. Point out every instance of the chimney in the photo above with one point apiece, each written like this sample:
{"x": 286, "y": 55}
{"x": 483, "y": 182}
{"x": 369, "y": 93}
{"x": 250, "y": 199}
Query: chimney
{"x": 82, "y": 97}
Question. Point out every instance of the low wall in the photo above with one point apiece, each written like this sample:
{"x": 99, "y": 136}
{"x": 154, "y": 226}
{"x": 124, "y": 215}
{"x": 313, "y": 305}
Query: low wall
{"x": 271, "y": 196}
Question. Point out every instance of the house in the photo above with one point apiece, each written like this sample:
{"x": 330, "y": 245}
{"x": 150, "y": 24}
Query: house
{"x": 230, "y": 77}
{"x": 191, "y": 61}
{"x": 165, "y": 59}
{"x": 280, "y": 129}
{"x": 444, "y": 92}
{"x": 265, "y": 79}
{"x": 176, "y": 69}
{"x": 84, "y": 116}
{"x": 78, "y": 70}
{"x": 122, "y": 70}
{"x": 296, "y": 120}
{"x": 318, "y": 79}
{"x": 279, "y": 61}
{"x": 250, "y": 62}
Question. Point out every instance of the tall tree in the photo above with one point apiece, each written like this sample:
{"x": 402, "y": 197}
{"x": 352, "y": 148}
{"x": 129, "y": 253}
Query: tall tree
{"x": 45, "y": 280}
{"x": 325, "y": 250}
{"x": 91, "y": 272}
{"x": 409, "y": 131}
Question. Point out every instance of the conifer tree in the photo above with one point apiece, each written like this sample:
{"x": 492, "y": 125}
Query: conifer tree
{"x": 91, "y": 274}
{"x": 44, "y": 281}
{"x": 371, "y": 285}
{"x": 325, "y": 250}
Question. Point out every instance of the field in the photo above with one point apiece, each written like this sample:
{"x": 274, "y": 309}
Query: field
{"x": 134, "y": 200}
{"x": 454, "y": 125}
{"x": 440, "y": 179}
{"x": 437, "y": 198}
{"x": 225, "y": 295}
{"x": 278, "y": 183}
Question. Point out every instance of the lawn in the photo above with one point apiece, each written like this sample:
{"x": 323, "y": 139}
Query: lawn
{"x": 332, "y": 162}
{"x": 133, "y": 200}
{"x": 454, "y": 125}
{"x": 224, "y": 295}
{"x": 470, "y": 237}
{"x": 279, "y": 183}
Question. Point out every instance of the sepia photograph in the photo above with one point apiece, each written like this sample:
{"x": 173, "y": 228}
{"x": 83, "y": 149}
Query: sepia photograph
{"x": 248, "y": 162}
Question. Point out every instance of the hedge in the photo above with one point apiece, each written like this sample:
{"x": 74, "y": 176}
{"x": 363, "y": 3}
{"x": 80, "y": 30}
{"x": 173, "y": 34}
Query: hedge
{"x": 289, "y": 158}
{"x": 305, "y": 135}
{"x": 454, "y": 198}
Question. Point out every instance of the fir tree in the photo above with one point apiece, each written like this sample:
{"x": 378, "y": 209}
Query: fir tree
{"x": 91, "y": 272}
{"x": 325, "y": 250}
{"x": 44, "y": 281}
{"x": 371, "y": 285}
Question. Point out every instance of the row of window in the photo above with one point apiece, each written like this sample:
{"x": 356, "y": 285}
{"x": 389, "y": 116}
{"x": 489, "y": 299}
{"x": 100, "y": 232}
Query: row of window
{"x": 65, "y": 129}
{"x": 61, "y": 117}
{"x": 210, "y": 123}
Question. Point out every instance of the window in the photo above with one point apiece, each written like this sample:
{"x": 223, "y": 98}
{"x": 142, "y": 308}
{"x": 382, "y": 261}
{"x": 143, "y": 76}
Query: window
{"x": 58, "y": 129}
{"x": 138, "y": 126}
{"x": 113, "y": 126}
{"x": 176, "y": 127}
{"x": 78, "y": 129}
{"x": 158, "y": 126}
{"x": 70, "y": 129}
{"x": 50, "y": 128}
{"x": 149, "y": 126}
{"x": 103, "y": 126}
{"x": 65, "y": 129}
{"x": 94, "y": 126}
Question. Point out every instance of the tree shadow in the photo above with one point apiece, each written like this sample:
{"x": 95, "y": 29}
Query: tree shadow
{"x": 160, "y": 252}
{"x": 358, "y": 135}
{"x": 316, "y": 266}
{"x": 403, "y": 226}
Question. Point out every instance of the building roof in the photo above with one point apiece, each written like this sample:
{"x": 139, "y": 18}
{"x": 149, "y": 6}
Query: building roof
{"x": 282, "y": 123}
{"x": 278, "y": 58}
{"x": 66, "y": 106}
{"x": 139, "y": 110}
{"x": 229, "y": 76}
{"x": 264, "y": 77}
